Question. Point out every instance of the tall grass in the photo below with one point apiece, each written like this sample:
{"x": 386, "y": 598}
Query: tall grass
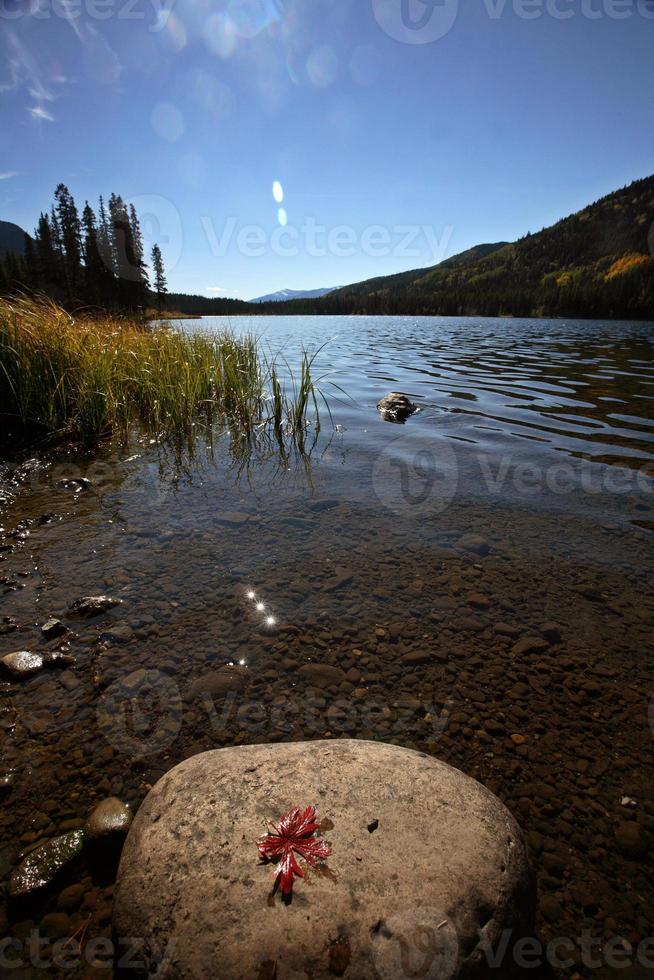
{"x": 88, "y": 376}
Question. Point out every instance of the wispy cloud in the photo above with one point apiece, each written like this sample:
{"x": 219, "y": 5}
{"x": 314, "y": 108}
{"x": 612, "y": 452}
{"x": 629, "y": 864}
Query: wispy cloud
{"x": 38, "y": 112}
{"x": 8, "y": 174}
{"x": 216, "y": 289}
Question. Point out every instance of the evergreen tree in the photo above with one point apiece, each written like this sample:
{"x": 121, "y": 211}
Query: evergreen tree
{"x": 46, "y": 253}
{"x": 105, "y": 239}
{"x": 71, "y": 239}
{"x": 132, "y": 289}
{"x": 160, "y": 284}
{"x": 13, "y": 271}
{"x": 32, "y": 279}
{"x": 97, "y": 278}
{"x": 138, "y": 244}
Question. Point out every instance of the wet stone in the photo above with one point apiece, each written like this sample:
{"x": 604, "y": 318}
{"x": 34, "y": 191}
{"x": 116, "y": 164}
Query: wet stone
{"x": 220, "y": 682}
{"x": 631, "y": 840}
{"x": 53, "y": 628}
{"x": 41, "y": 866}
{"x": 233, "y": 518}
{"x": 474, "y": 544}
{"x": 55, "y": 925}
{"x": 416, "y": 657}
{"x": 396, "y": 407}
{"x": 70, "y": 898}
{"x": 110, "y": 818}
{"x": 120, "y": 633}
{"x": 23, "y": 663}
{"x": 89, "y": 606}
{"x": 6, "y": 783}
{"x": 7, "y": 625}
{"x": 322, "y": 674}
{"x": 529, "y": 644}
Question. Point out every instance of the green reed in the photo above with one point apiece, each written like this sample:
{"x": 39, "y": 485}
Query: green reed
{"x": 87, "y": 376}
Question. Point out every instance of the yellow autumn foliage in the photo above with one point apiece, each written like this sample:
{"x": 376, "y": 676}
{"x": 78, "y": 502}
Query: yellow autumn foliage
{"x": 626, "y": 264}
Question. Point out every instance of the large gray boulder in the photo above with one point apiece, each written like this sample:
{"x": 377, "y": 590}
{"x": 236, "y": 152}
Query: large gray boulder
{"x": 427, "y": 868}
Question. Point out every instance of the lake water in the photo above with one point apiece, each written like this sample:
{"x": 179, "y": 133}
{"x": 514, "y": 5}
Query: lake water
{"x": 477, "y": 583}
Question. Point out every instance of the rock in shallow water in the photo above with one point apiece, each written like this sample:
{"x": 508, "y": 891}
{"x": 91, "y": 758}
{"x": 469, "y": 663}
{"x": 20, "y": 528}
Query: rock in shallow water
{"x": 93, "y": 605}
{"x": 445, "y": 856}
{"x": 396, "y": 407}
{"x": 53, "y": 628}
{"x": 22, "y": 663}
{"x": 41, "y": 866}
{"x": 110, "y": 818}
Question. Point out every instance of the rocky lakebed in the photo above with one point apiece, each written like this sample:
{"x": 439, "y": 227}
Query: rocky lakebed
{"x": 164, "y": 608}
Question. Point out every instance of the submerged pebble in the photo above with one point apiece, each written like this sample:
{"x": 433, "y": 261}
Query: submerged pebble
{"x": 41, "y": 866}
{"x": 110, "y": 818}
{"x": 93, "y": 605}
{"x": 23, "y": 663}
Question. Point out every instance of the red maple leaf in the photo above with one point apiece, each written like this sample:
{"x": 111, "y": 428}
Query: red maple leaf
{"x": 294, "y": 834}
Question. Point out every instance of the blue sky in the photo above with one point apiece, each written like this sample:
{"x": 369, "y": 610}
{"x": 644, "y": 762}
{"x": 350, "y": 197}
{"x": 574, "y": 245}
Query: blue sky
{"x": 394, "y": 147}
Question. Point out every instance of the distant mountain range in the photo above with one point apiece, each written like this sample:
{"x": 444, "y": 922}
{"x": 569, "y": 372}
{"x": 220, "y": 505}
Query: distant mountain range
{"x": 12, "y": 238}
{"x": 288, "y": 294}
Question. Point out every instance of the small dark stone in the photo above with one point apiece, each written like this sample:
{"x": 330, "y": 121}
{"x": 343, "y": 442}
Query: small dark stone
{"x": 631, "y": 840}
{"x": 111, "y": 817}
{"x": 55, "y": 925}
{"x": 7, "y": 625}
{"x": 6, "y": 783}
{"x": 53, "y": 628}
{"x": 372, "y": 827}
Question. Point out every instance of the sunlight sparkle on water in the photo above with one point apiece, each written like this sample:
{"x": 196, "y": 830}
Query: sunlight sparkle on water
{"x": 260, "y": 607}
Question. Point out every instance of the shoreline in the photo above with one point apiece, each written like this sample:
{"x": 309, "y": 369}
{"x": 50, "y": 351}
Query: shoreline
{"x": 498, "y": 667}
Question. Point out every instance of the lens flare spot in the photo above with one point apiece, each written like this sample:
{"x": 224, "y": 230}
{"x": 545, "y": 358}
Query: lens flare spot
{"x": 251, "y": 594}
{"x": 176, "y": 32}
{"x": 322, "y": 67}
{"x": 278, "y": 192}
{"x": 270, "y": 621}
{"x": 167, "y": 122}
{"x": 220, "y": 35}
{"x": 260, "y": 607}
{"x": 282, "y": 217}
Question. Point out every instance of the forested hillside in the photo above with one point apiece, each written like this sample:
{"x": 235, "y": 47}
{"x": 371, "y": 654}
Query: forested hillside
{"x": 597, "y": 262}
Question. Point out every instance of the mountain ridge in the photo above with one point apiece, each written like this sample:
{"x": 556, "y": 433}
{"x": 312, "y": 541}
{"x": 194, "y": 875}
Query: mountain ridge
{"x": 12, "y": 238}
{"x": 285, "y": 295}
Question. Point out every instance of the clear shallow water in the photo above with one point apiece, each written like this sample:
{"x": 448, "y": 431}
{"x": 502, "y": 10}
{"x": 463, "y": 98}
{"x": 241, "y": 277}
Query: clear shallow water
{"x": 390, "y": 621}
